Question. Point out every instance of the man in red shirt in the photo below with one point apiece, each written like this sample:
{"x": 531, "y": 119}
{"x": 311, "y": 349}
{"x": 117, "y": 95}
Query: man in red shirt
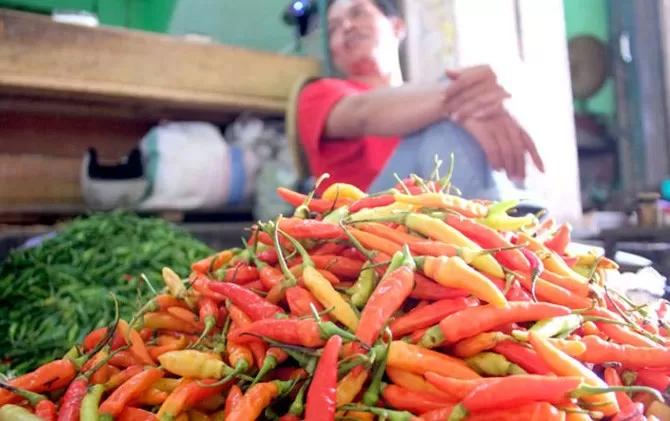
{"x": 367, "y": 127}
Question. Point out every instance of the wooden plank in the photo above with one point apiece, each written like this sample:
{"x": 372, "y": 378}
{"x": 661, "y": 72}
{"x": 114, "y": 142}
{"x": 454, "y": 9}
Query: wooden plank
{"x": 43, "y": 58}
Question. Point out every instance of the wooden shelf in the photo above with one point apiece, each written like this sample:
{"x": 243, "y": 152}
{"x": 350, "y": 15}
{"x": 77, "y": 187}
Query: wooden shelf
{"x": 53, "y": 67}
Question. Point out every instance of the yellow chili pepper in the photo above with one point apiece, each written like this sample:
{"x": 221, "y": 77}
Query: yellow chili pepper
{"x": 550, "y": 259}
{"x": 441, "y": 231}
{"x": 382, "y": 212}
{"x": 173, "y": 282}
{"x": 445, "y": 201}
{"x": 497, "y": 217}
{"x": 338, "y": 191}
{"x": 167, "y": 385}
{"x": 194, "y": 364}
{"x": 453, "y": 272}
{"x": 350, "y": 385}
{"x": 323, "y": 291}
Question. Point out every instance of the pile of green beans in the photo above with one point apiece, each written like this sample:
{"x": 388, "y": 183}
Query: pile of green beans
{"x": 53, "y": 294}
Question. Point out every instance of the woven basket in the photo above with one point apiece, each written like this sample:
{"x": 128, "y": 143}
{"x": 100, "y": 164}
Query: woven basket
{"x": 39, "y": 179}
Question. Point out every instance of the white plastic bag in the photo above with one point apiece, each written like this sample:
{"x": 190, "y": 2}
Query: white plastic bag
{"x": 188, "y": 167}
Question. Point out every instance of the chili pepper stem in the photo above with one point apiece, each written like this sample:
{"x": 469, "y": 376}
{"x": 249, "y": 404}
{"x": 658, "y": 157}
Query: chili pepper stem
{"x": 382, "y": 413}
{"x": 458, "y": 413}
{"x": 269, "y": 364}
{"x": 585, "y": 390}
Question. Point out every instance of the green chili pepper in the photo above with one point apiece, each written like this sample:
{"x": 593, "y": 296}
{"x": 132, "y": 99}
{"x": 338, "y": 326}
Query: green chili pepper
{"x": 90, "y": 403}
{"x": 365, "y": 284}
{"x": 492, "y": 364}
{"x": 11, "y": 412}
{"x": 371, "y": 395}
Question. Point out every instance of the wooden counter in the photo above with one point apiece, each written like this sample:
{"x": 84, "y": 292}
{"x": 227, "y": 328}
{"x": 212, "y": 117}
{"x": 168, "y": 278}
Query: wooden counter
{"x": 52, "y": 67}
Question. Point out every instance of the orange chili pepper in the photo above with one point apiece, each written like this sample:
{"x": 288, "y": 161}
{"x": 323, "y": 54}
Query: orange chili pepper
{"x": 232, "y": 400}
{"x": 130, "y": 390}
{"x": 419, "y": 360}
{"x": 165, "y": 321}
{"x": 476, "y": 344}
{"x": 256, "y": 399}
{"x": 136, "y": 414}
{"x": 564, "y": 365}
{"x": 187, "y": 316}
{"x": 186, "y": 395}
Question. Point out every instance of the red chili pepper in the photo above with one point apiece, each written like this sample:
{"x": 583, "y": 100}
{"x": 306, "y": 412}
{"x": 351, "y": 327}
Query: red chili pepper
{"x": 313, "y": 229}
{"x": 297, "y": 270}
{"x": 659, "y": 381}
{"x": 515, "y": 291}
{"x": 369, "y": 202}
{"x": 269, "y": 256}
{"x": 353, "y": 253}
{"x": 232, "y": 400}
{"x": 412, "y": 400}
{"x": 258, "y": 348}
{"x": 240, "y": 274}
{"x": 69, "y": 410}
{"x": 535, "y": 411}
{"x": 536, "y": 268}
{"x": 201, "y": 284}
{"x": 489, "y": 238}
{"x": 255, "y": 286}
{"x": 524, "y": 357}
{"x": 612, "y": 378}
{"x": 427, "y": 289}
{"x": 265, "y": 238}
{"x": 208, "y": 313}
{"x": 386, "y": 299}
{"x": 344, "y": 267}
{"x": 186, "y": 395}
{"x": 50, "y": 376}
{"x": 270, "y": 276}
{"x": 332, "y": 248}
{"x": 117, "y": 379}
{"x": 321, "y": 396}
{"x": 136, "y": 414}
{"x": 299, "y": 301}
{"x": 248, "y": 301}
{"x": 474, "y": 320}
{"x": 304, "y": 332}
{"x": 94, "y": 338}
{"x": 46, "y": 410}
{"x": 429, "y": 315}
{"x": 514, "y": 391}
{"x": 296, "y": 199}
{"x": 559, "y": 242}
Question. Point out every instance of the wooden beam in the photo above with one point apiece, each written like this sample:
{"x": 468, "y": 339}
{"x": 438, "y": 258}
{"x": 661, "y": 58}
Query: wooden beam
{"x": 41, "y": 58}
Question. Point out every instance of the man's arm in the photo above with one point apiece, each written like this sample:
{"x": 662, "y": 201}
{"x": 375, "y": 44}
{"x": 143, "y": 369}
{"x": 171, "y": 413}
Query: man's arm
{"x": 386, "y": 112}
{"x": 473, "y": 92}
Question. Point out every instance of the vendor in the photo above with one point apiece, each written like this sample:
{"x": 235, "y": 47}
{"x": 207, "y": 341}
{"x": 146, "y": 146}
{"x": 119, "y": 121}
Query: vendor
{"x": 368, "y": 126}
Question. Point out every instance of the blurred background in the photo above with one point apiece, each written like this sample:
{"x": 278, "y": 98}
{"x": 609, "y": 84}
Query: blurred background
{"x": 181, "y": 109}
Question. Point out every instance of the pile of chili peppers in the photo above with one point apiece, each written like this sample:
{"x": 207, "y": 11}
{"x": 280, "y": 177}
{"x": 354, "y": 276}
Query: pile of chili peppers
{"x": 411, "y": 304}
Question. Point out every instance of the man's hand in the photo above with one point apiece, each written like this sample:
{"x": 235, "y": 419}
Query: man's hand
{"x": 505, "y": 144}
{"x": 473, "y": 93}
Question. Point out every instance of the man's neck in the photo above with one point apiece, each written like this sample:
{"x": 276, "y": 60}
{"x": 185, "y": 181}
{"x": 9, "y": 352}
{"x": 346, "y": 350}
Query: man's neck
{"x": 376, "y": 77}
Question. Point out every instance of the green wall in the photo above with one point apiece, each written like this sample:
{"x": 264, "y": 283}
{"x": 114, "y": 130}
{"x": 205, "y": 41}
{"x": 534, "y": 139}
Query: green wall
{"x": 590, "y": 17}
{"x": 248, "y": 23}
{"x": 251, "y": 23}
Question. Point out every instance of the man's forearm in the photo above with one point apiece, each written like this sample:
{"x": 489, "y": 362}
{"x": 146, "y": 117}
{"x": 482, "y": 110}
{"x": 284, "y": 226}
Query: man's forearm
{"x": 387, "y": 112}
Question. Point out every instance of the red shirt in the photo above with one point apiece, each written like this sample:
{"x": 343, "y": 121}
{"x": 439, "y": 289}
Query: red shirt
{"x": 356, "y": 161}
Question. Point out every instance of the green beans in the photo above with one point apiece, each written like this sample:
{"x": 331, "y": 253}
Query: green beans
{"x": 52, "y": 294}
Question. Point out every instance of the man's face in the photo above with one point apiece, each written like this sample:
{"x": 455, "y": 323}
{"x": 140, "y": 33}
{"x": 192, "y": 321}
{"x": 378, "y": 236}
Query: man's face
{"x": 359, "y": 32}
